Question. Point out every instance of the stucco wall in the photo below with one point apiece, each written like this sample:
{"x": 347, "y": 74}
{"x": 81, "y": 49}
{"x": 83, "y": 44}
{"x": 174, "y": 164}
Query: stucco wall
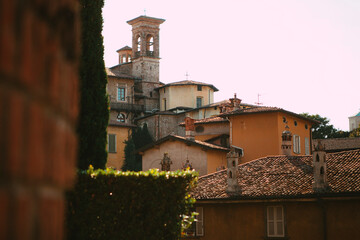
{"x": 260, "y": 134}
{"x": 257, "y": 134}
{"x": 296, "y": 129}
{"x": 178, "y": 153}
{"x": 303, "y": 220}
{"x": 116, "y": 160}
{"x": 185, "y": 96}
{"x": 215, "y": 159}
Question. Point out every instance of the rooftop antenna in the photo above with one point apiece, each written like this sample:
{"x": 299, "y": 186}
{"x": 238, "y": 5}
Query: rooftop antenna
{"x": 187, "y": 75}
{"x": 258, "y": 101}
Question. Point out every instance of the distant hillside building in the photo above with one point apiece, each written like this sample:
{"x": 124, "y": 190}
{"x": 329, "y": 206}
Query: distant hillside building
{"x": 354, "y": 122}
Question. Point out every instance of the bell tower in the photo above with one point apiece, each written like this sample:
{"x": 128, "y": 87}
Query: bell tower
{"x": 145, "y": 58}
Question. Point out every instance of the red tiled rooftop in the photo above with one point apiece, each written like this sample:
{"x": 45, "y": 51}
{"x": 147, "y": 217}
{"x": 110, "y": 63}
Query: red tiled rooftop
{"x": 284, "y": 176}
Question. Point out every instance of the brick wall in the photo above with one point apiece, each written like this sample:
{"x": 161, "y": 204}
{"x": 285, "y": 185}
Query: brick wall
{"x": 38, "y": 110}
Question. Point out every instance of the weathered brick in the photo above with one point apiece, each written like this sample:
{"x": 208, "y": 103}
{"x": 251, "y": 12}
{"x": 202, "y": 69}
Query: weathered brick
{"x": 7, "y": 40}
{"x": 54, "y": 68}
{"x": 51, "y": 216}
{"x": 4, "y": 210}
{"x": 27, "y": 54}
{"x": 16, "y": 134}
{"x": 22, "y": 216}
{"x": 36, "y": 153}
{"x": 71, "y": 157}
{"x": 57, "y": 165}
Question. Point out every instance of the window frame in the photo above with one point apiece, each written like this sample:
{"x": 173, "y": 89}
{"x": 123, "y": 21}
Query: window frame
{"x": 307, "y": 146}
{"x": 199, "y": 88}
{"x": 119, "y": 119}
{"x": 275, "y": 222}
{"x": 201, "y": 102}
{"x": 296, "y": 144}
{"x": 118, "y": 94}
{"x": 108, "y": 148}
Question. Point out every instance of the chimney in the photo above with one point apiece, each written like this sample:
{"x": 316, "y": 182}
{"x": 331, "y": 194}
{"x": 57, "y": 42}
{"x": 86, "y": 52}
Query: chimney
{"x": 232, "y": 172}
{"x": 189, "y": 128}
{"x": 286, "y": 141}
{"x": 319, "y": 162}
{"x": 235, "y": 103}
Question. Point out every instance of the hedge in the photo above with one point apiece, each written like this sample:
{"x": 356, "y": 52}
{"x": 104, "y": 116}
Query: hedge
{"x": 109, "y": 204}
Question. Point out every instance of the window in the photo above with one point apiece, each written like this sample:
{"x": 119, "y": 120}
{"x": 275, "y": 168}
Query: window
{"x": 198, "y": 102}
{"x": 121, "y": 94}
{"x": 199, "y": 129}
{"x": 200, "y": 222}
{"x": 275, "y": 221}
{"x": 120, "y": 117}
{"x": 296, "y": 141}
{"x": 199, "y": 87}
{"x": 123, "y": 59}
{"x": 295, "y": 123}
{"x": 149, "y": 43}
{"x": 197, "y": 227}
{"x": 307, "y": 146}
{"x": 164, "y": 102}
{"x": 112, "y": 143}
{"x": 138, "y": 43}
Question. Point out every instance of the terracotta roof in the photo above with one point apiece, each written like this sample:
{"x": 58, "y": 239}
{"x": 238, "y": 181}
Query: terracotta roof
{"x": 114, "y": 73}
{"x": 254, "y": 110}
{"x": 339, "y": 144}
{"x": 189, "y": 82}
{"x": 207, "y": 120}
{"x": 183, "y": 139}
{"x": 284, "y": 176}
{"x": 124, "y": 48}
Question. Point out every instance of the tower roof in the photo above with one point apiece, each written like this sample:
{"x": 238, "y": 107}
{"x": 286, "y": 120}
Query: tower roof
{"x": 189, "y": 82}
{"x": 156, "y": 21}
{"x": 124, "y": 48}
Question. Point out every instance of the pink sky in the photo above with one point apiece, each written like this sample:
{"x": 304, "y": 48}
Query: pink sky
{"x": 300, "y": 55}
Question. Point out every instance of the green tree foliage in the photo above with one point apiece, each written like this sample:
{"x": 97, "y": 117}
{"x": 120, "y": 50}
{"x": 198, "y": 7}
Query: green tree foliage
{"x": 152, "y": 205}
{"x": 94, "y": 113}
{"x": 323, "y": 129}
{"x": 140, "y": 137}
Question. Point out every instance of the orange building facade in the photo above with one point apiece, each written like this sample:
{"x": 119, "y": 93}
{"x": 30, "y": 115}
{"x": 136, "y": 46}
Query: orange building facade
{"x": 258, "y": 132}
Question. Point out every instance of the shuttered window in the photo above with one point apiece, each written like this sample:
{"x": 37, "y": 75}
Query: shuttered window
{"x": 296, "y": 147}
{"x": 112, "y": 143}
{"x": 199, "y": 222}
{"x": 275, "y": 221}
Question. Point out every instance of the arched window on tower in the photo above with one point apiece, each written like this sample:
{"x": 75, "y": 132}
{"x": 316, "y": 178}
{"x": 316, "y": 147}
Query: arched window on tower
{"x": 138, "y": 46}
{"x": 149, "y": 45}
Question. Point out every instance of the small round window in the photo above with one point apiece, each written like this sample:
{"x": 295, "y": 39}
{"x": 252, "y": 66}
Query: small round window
{"x": 199, "y": 129}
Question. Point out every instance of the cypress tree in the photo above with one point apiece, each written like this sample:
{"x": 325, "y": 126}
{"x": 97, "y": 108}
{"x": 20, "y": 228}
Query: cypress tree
{"x": 94, "y": 112}
{"x": 140, "y": 137}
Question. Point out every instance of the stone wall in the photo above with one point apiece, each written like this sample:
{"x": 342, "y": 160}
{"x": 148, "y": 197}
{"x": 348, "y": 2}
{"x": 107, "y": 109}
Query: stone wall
{"x": 38, "y": 112}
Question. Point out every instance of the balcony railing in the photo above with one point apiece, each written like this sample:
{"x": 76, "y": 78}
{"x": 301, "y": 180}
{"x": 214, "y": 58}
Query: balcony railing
{"x": 119, "y": 106}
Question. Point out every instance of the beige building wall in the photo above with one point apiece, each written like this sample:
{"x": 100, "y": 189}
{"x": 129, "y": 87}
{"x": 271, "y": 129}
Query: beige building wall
{"x": 184, "y": 96}
{"x": 354, "y": 122}
{"x": 116, "y": 159}
{"x": 178, "y": 152}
